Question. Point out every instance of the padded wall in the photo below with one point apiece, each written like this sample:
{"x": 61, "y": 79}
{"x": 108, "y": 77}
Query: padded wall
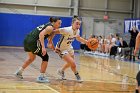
{"x": 14, "y": 28}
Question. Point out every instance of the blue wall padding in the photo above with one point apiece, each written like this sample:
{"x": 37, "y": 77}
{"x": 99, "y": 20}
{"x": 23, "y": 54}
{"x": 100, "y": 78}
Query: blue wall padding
{"x": 14, "y": 28}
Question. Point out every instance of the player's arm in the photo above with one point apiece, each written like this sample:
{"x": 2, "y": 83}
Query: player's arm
{"x": 50, "y": 41}
{"x": 50, "y": 38}
{"x": 56, "y": 31}
{"x": 80, "y": 39}
{"x": 59, "y": 31}
{"x": 137, "y": 43}
{"x": 42, "y": 35}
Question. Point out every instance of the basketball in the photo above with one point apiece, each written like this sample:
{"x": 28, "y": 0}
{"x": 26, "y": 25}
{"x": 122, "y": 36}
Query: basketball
{"x": 92, "y": 43}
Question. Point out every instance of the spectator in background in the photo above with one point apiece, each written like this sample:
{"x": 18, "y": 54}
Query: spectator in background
{"x": 123, "y": 43}
{"x": 117, "y": 42}
{"x": 100, "y": 47}
{"x": 106, "y": 43}
{"x": 133, "y": 34}
{"x": 91, "y": 36}
{"x": 112, "y": 40}
{"x": 124, "y": 48}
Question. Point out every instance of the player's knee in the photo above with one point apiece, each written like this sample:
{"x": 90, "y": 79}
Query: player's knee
{"x": 45, "y": 57}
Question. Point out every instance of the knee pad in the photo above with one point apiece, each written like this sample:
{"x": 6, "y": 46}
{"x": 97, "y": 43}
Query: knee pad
{"x": 138, "y": 78}
{"x": 45, "y": 57}
{"x": 138, "y": 83}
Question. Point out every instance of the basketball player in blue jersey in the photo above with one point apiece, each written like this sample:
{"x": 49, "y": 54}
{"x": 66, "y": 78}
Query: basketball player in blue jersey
{"x": 34, "y": 45}
{"x": 135, "y": 51}
{"x": 64, "y": 46}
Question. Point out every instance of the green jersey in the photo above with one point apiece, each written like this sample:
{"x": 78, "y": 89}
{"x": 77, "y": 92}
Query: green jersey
{"x": 31, "y": 42}
{"x": 35, "y": 33}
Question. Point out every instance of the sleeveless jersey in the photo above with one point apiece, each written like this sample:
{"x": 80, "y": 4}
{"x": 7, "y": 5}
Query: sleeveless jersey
{"x": 35, "y": 33}
{"x": 31, "y": 42}
{"x": 67, "y": 37}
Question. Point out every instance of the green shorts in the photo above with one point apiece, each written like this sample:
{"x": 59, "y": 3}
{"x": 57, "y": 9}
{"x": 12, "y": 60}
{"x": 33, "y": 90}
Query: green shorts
{"x": 32, "y": 45}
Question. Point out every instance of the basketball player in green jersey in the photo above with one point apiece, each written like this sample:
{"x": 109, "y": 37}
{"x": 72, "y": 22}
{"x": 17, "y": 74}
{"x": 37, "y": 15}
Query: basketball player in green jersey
{"x": 34, "y": 45}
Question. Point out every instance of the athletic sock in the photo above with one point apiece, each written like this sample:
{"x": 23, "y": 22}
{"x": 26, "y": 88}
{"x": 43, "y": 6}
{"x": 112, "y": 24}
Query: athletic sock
{"x": 21, "y": 70}
{"x": 42, "y": 74}
{"x": 61, "y": 70}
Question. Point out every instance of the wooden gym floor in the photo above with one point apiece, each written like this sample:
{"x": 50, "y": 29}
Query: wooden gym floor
{"x": 100, "y": 75}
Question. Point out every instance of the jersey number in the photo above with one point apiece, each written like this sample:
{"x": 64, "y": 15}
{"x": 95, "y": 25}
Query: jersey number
{"x": 40, "y": 27}
{"x": 69, "y": 42}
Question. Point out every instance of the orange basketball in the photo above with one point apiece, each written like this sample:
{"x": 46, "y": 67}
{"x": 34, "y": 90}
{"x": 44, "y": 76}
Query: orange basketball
{"x": 92, "y": 43}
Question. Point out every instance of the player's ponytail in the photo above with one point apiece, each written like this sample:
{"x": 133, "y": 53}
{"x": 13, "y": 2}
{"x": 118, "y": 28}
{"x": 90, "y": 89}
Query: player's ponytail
{"x": 75, "y": 17}
{"x": 54, "y": 19}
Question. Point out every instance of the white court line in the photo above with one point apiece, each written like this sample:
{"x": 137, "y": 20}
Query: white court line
{"x": 55, "y": 91}
{"x": 51, "y": 89}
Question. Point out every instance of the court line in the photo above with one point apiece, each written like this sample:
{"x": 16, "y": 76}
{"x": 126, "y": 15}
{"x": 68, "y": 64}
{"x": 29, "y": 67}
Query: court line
{"x": 85, "y": 80}
{"x": 51, "y": 89}
{"x": 48, "y": 88}
{"x": 108, "y": 69}
{"x": 23, "y": 89}
{"x": 33, "y": 66}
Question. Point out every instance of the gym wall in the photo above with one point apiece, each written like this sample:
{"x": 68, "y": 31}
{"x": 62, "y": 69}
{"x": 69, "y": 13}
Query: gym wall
{"x": 40, "y": 7}
{"x": 91, "y": 11}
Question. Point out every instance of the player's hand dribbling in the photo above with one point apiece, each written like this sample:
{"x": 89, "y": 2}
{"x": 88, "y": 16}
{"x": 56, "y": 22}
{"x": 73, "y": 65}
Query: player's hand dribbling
{"x": 44, "y": 51}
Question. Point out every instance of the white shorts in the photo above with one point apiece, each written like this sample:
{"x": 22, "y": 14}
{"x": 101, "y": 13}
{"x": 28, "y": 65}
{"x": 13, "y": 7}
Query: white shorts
{"x": 66, "y": 51}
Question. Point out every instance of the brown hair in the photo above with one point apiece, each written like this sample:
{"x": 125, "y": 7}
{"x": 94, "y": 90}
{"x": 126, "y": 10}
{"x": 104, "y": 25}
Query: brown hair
{"x": 54, "y": 19}
{"x": 75, "y": 17}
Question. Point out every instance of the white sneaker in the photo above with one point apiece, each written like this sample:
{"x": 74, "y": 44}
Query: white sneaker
{"x": 61, "y": 74}
{"x": 107, "y": 55}
{"x": 42, "y": 79}
{"x": 19, "y": 75}
{"x": 78, "y": 78}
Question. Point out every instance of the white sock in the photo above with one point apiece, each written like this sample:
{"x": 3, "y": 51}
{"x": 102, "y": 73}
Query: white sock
{"x": 42, "y": 74}
{"x": 61, "y": 70}
{"x": 21, "y": 70}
